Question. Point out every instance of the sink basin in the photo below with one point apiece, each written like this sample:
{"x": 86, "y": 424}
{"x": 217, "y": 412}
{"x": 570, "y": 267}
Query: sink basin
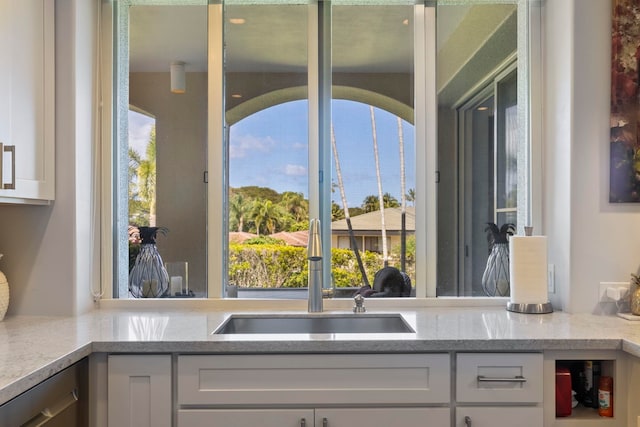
{"x": 315, "y": 324}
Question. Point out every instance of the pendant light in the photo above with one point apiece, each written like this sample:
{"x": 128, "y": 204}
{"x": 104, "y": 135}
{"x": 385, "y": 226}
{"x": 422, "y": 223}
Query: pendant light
{"x": 178, "y": 80}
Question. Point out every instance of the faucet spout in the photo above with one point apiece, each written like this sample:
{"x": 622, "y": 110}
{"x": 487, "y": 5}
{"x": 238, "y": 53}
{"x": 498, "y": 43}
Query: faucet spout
{"x": 314, "y": 255}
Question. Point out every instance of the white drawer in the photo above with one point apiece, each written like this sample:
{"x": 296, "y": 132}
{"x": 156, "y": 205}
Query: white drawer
{"x": 499, "y": 416}
{"x": 499, "y": 377}
{"x": 313, "y": 379}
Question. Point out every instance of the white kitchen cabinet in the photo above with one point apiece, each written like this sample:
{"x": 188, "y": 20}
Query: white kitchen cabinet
{"x": 382, "y": 417}
{"x": 499, "y": 377}
{"x": 320, "y": 417}
{"x": 314, "y": 379}
{"x": 322, "y": 390}
{"x": 139, "y": 391}
{"x": 27, "y": 104}
{"x": 499, "y": 389}
{"x": 499, "y": 416}
{"x": 246, "y": 417}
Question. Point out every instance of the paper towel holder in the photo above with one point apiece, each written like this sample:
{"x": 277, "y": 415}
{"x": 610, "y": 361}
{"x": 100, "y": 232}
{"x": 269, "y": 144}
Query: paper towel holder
{"x": 528, "y": 308}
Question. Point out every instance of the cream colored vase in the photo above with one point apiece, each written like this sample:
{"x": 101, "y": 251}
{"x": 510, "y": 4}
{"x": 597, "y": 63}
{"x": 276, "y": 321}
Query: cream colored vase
{"x": 4, "y": 294}
{"x": 635, "y": 300}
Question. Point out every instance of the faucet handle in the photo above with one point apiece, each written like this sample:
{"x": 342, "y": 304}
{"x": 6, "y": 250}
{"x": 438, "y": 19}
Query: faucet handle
{"x": 359, "y": 307}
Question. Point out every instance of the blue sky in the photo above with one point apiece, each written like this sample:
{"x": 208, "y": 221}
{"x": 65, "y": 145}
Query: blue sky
{"x": 269, "y": 149}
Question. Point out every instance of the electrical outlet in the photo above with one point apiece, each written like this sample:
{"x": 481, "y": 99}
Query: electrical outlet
{"x": 551, "y": 278}
{"x": 602, "y": 292}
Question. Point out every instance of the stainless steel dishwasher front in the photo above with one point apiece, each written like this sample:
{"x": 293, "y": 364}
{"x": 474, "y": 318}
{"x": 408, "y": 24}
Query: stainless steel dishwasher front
{"x": 60, "y": 401}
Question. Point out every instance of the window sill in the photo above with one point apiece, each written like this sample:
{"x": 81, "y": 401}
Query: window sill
{"x": 239, "y": 304}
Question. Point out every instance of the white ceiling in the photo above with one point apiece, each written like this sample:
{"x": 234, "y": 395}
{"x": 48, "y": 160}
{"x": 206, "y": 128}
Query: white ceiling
{"x": 371, "y": 39}
{"x": 274, "y": 38}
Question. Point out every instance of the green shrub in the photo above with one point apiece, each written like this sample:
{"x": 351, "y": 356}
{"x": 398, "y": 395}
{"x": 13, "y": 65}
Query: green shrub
{"x": 268, "y": 265}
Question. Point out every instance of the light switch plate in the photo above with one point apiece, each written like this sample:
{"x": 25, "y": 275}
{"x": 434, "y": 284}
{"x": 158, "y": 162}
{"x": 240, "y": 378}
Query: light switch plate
{"x": 551, "y": 278}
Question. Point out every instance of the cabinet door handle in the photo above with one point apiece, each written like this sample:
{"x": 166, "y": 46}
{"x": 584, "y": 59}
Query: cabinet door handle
{"x": 325, "y": 422}
{"x": 8, "y": 149}
{"x": 516, "y": 379}
{"x": 303, "y": 422}
{"x": 467, "y": 421}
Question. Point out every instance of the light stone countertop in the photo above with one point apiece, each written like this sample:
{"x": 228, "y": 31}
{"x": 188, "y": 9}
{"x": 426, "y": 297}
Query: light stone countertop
{"x": 33, "y": 348}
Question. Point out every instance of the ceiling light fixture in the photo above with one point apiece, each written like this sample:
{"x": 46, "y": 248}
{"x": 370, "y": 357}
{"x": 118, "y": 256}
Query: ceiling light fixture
{"x": 236, "y": 95}
{"x": 237, "y": 21}
{"x": 178, "y": 78}
{"x": 483, "y": 108}
{"x": 405, "y": 21}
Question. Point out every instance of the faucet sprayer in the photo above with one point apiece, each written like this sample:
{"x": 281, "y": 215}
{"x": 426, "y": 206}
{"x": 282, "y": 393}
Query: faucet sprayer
{"x": 314, "y": 255}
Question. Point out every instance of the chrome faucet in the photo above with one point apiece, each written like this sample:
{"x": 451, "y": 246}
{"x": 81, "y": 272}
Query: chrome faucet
{"x": 314, "y": 255}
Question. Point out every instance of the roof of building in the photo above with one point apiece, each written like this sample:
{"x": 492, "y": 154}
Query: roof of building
{"x": 240, "y": 236}
{"x": 293, "y": 238}
{"x": 371, "y": 221}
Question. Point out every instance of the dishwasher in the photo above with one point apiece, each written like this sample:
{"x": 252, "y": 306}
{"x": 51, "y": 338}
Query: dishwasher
{"x": 60, "y": 401}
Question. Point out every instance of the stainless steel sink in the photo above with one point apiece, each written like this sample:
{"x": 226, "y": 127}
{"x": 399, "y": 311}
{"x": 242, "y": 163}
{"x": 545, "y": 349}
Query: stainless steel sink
{"x": 315, "y": 324}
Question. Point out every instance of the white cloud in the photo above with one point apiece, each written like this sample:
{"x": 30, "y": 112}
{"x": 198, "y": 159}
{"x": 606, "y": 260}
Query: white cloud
{"x": 295, "y": 170}
{"x": 243, "y": 145}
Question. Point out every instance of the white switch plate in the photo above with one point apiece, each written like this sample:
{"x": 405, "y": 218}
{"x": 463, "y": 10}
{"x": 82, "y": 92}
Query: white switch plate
{"x": 602, "y": 292}
{"x": 551, "y": 278}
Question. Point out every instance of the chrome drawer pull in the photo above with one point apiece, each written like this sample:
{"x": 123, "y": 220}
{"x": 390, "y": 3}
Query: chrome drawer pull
{"x": 8, "y": 149}
{"x": 516, "y": 379}
{"x": 467, "y": 421}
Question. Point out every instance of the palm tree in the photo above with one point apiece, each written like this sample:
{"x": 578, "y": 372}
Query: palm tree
{"x": 370, "y": 203}
{"x": 238, "y": 209}
{"x": 383, "y": 228}
{"x": 347, "y": 217}
{"x": 264, "y": 212}
{"x": 136, "y": 211}
{"x": 403, "y": 199}
{"x": 411, "y": 195}
{"x": 336, "y": 211}
{"x": 389, "y": 201}
{"x": 295, "y": 204}
{"x": 142, "y": 183}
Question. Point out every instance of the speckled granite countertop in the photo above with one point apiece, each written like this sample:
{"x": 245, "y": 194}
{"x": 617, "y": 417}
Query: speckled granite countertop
{"x": 33, "y": 348}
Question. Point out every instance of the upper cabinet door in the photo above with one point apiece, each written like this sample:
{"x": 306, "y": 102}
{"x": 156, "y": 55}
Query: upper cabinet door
{"x": 27, "y": 127}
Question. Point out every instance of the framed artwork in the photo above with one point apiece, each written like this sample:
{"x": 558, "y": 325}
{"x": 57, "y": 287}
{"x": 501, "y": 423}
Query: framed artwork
{"x": 624, "y": 184}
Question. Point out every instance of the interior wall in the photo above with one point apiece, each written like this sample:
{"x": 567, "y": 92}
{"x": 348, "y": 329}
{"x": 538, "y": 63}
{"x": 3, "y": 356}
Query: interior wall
{"x": 47, "y": 247}
{"x": 591, "y": 240}
{"x": 181, "y": 147}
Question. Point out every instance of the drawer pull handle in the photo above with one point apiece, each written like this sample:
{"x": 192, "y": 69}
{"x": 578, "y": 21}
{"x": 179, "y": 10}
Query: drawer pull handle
{"x": 517, "y": 379}
{"x": 8, "y": 149}
{"x": 49, "y": 414}
{"x": 467, "y": 421}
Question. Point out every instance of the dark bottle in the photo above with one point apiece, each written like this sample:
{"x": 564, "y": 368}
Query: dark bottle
{"x": 592, "y": 379}
{"x": 596, "y": 383}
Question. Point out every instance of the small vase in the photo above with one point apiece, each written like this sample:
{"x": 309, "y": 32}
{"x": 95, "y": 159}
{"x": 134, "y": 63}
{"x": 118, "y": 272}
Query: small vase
{"x": 635, "y": 300}
{"x": 495, "y": 279}
{"x": 148, "y": 277}
{"x": 4, "y": 294}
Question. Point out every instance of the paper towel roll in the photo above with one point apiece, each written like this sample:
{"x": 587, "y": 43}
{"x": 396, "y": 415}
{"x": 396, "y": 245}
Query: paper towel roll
{"x": 528, "y": 269}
